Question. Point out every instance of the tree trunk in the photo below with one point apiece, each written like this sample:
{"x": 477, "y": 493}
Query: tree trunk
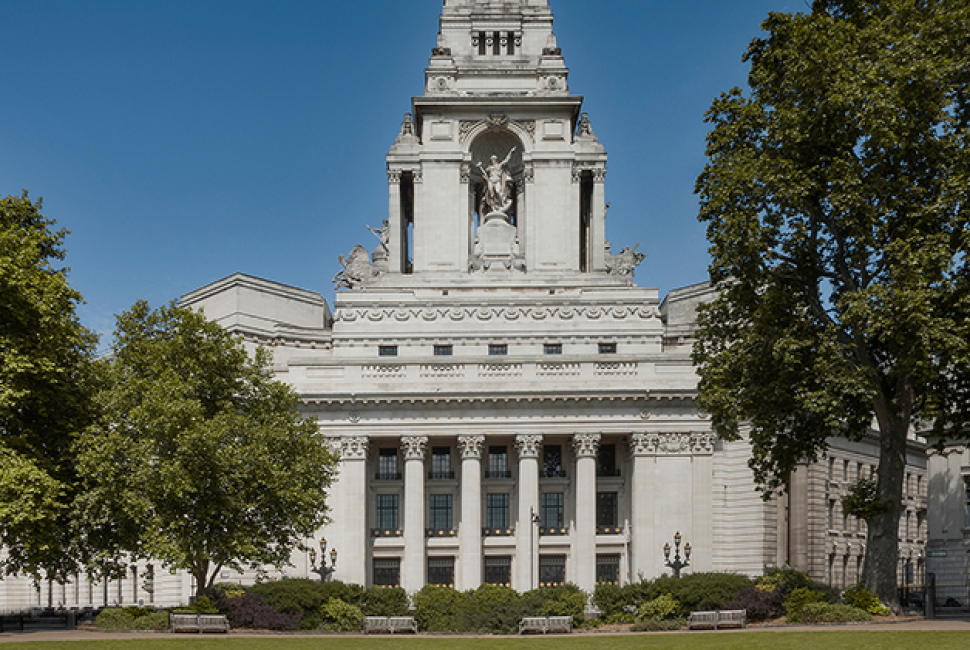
{"x": 882, "y": 539}
{"x": 200, "y": 572}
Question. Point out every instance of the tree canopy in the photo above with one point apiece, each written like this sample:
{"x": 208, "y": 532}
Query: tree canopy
{"x": 836, "y": 202}
{"x": 45, "y": 384}
{"x": 201, "y": 459}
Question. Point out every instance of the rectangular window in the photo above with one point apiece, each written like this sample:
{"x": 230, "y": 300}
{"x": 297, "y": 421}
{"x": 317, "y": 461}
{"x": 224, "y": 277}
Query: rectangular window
{"x": 387, "y": 572}
{"x": 552, "y": 348}
{"x": 606, "y": 461}
{"x": 387, "y": 465}
{"x": 831, "y": 514}
{"x": 443, "y": 350}
{"x": 498, "y": 570}
{"x": 441, "y": 463}
{"x": 966, "y": 481}
{"x": 498, "y": 349}
{"x": 552, "y": 461}
{"x": 552, "y": 510}
{"x": 608, "y": 569}
{"x": 497, "y": 511}
{"x": 607, "y": 348}
{"x": 831, "y": 469}
{"x": 387, "y": 350}
{"x": 441, "y": 571}
{"x": 552, "y": 570}
{"x": 845, "y": 470}
{"x": 387, "y": 511}
{"x": 439, "y": 512}
{"x": 606, "y": 509}
{"x": 498, "y": 463}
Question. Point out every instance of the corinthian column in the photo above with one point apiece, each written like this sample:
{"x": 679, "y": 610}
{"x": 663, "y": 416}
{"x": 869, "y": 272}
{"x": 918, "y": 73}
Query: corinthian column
{"x": 585, "y": 446}
{"x": 527, "y": 533}
{"x": 412, "y": 578}
{"x": 470, "y": 529}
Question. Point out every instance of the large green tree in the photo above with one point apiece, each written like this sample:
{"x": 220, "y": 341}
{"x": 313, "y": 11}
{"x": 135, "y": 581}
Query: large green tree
{"x": 836, "y": 198}
{"x": 200, "y": 459}
{"x": 45, "y": 386}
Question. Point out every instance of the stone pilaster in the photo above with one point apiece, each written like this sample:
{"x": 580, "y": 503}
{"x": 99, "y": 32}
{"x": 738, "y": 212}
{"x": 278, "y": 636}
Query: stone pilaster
{"x": 527, "y": 533}
{"x": 644, "y": 498}
{"x": 585, "y": 447}
{"x": 349, "y": 534}
{"x": 413, "y": 571}
{"x": 470, "y": 529}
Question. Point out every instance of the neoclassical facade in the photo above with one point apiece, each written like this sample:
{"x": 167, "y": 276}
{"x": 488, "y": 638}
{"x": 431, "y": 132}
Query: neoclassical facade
{"x": 509, "y": 407}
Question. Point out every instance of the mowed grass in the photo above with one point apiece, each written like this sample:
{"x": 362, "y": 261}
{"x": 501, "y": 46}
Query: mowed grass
{"x": 823, "y": 639}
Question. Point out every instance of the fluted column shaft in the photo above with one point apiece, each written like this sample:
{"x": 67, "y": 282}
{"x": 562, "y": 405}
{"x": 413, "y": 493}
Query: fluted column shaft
{"x": 527, "y": 533}
{"x": 585, "y": 447}
{"x": 470, "y": 530}
{"x": 413, "y": 571}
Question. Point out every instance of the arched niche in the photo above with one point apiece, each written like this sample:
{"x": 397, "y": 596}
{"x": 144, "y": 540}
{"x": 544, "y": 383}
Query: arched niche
{"x": 494, "y": 142}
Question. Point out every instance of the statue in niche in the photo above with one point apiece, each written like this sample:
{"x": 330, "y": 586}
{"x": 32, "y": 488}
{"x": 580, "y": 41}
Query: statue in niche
{"x": 497, "y": 197}
{"x": 358, "y": 270}
{"x": 625, "y": 262}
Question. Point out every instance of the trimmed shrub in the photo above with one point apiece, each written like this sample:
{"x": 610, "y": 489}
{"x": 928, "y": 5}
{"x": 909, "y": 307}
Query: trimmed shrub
{"x": 224, "y": 590}
{"x": 565, "y": 600}
{"x": 385, "y": 601}
{"x": 661, "y": 608}
{"x": 651, "y": 625}
{"x": 251, "y": 611}
{"x": 491, "y": 609}
{"x": 152, "y": 621}
{"x": 829, "y": 613}
{"x": 342, "y": 617}
{"x": 612, "y": 601}
{"x": 202, "y": 605}
{"x": 114, "y": 618}
{"x": 759, "y": 604}
{"x": 786, "y": 580}
{"x": 294, "y": 596}
{"x": 697, "y": 591}
{"x": 439, "y": 609}
{"x": 349, "y": 593}
{"x": 798, "y": 598}
{"x": 859, "y": 596}
{"x": 137, "y": 612}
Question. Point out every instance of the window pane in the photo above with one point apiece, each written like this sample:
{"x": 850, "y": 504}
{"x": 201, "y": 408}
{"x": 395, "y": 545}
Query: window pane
{"x": 606, "y": 509}
{"x": 552, "y": 461}
{"x": 498, "y": 570}
{"x": 387, "y": 351}
{"x": 497, "y": 512}
{"x": 552, "y": 348}
{"x": 500, "y": 349}
{"x": 387, "y": 511}
{"x": 387, "y": 572}
{"x": 440, "y": 512}
{"x": 498, "y": 462}
{"x": 608, "y": 569}
{"x": 552, "y": 510}
{"x": 387, "y": 465}
{"x": 441, "y": 463}
{"x": 607, "y": 348}
{"x": 606, "y": 461}
{"x": 441, "y": 571}
{"x": 443, "y": 350}
{"x": 552, "y": 570}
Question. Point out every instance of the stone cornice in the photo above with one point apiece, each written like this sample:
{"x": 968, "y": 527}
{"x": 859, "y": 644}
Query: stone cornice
{"x": 510, "y": 397}
{"x": 672, "y": 444}
{"x": 508, "y": 313}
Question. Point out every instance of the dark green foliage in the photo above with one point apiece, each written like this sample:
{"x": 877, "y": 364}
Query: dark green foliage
{"x": 829, "y": 613}
{"x": 760, "y": 604}
{"x": 114, "y": 618}
{"x": 612, "y": 601}
{"x": 785, "y": 580}
{"x": 339, "y": 616}
{"x": 696, "y": 591}
{"x": 564, "y": 600}
{"x": 492, "y": 609}
{"x": 439, "y": 609}
{"x": 251, "y": 611}
{"x": 46, "y": 381}
{"x": 859, "y": 596}
{"x": 862, "y": 501}
{"x": 137, "y": 612}
{"x": 294, "y": 596}
{"x": 668, "y": 625}
{"x": 152, "y": 621}
{"x": 385, "y": 601}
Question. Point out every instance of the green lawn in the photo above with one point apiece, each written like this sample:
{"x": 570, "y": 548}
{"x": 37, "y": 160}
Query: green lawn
{"x": 824, "y": 639}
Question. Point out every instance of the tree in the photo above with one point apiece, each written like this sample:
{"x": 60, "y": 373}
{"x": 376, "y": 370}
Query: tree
{"x": 200, "y": 459}
{"x": 836, "y": 202}
{"x": 46, "y": 379}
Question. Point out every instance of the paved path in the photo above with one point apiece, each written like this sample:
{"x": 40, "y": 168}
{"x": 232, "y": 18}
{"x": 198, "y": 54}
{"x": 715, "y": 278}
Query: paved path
{"x": 961, "y": 625}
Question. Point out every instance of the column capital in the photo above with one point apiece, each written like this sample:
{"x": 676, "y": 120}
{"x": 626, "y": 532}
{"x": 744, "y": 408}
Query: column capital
{"x": 527, "y": 444}
{"x": 353, "y": 447}
{"x": 414, "y": 447}
{"x": 470, "y": 446}
{"x": 586, "y": 444}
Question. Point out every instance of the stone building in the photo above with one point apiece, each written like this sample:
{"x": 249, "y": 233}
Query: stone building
{"x": 509, "y": 407}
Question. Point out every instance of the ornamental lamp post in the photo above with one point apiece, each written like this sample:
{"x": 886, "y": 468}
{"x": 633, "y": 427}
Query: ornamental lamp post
{"x": 677, "y": 563}
{"x": 324, "y": 571}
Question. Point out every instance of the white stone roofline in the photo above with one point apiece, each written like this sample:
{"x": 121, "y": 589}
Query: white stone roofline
{"x": 516, "y": 396}
{"x": 243, "y": 279}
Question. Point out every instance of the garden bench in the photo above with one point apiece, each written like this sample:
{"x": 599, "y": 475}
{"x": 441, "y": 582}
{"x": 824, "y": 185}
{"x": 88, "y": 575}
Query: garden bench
{"x": 198, "y": 623}
{"x": 546, "y": 624}
{"x": 717, "y": 619}
{"x": 390, "y": 624}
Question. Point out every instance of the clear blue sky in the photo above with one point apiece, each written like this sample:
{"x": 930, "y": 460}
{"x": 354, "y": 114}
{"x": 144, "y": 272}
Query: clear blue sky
{"x": 184, "y": 140}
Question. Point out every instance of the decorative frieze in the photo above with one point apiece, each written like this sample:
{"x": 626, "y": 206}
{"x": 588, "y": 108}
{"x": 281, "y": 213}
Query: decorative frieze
{"x": 586, "y": 444}
{"x": 496, "y": 122}
{"x": 470, "y": 446}
{"x": 414, "y": 447}
{"x": 672, "y": 444}
{"x": 498, "y": 312}
{"x": 528, "y": 444}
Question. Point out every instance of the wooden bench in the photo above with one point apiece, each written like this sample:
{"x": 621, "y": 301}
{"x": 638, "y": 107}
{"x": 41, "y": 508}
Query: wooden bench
{"x": 716, "y": 620}
{"x": 391, "y": 624}
{"x": 198, "y": 623}
{"x": 546, "y": 624}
